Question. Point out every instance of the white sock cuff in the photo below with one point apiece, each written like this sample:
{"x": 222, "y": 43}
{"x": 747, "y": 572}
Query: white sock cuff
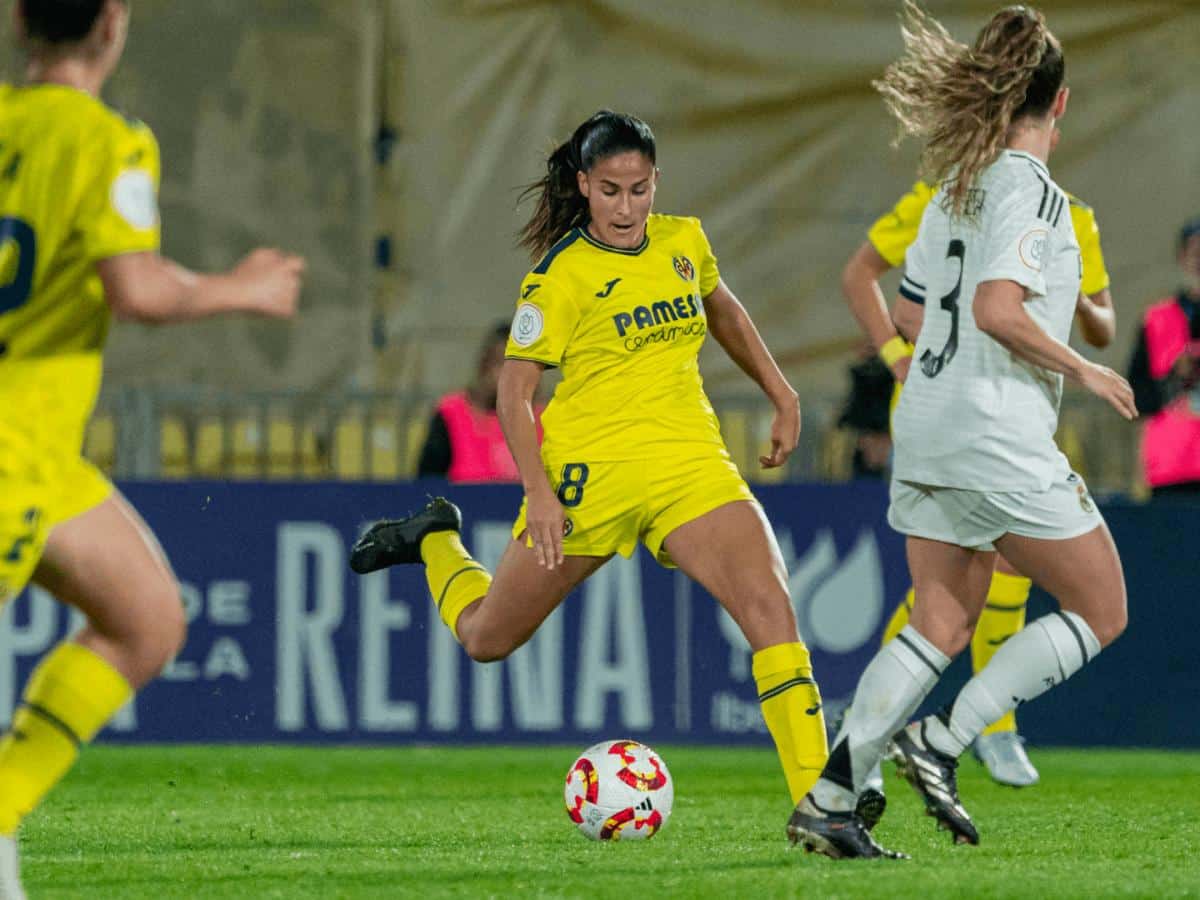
{"x": 924, "y": 662}
{"x": 1074, "y": 642}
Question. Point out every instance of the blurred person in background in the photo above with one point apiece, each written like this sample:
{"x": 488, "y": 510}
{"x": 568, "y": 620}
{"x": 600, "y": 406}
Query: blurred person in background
{"x": 1165, "y": 374}
{"x": 622, "y": 299}
{"x": 465, "y": 443}
{"x": 866, "y": 413}
{"x": 1000, "y": 748}
{"x": 79, "y": 239}
{"x": 994, "y": 279}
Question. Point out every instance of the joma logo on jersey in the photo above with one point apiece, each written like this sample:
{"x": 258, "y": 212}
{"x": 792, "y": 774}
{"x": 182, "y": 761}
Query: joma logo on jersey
{"x": 685, "y": 307}
{"x": 608, "y": 288}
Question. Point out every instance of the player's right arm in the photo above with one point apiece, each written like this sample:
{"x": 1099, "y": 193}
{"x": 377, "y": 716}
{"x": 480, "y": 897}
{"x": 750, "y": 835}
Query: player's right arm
{"x": 1094, "y": 308}
{"x": 118, "y": 220}
{"x": 149, "y": 288}
{"x": 545, "y": 517}
{"x": 887, "y": 241}
{"x": 546, "y": 317}
{"x": 1008, "y": 278}
{"x": 908, "y": 316}
{"x": 860, "y": 287}
{"x": 1096, "y": 317}
{"x": 1000, "y": 313}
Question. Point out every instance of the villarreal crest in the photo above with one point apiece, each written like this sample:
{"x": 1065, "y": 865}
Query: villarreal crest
{"x": 684, "y": 268}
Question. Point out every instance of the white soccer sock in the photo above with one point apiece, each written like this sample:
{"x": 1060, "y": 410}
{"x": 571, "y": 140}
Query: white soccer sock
{"x": 892, "y": 687}
{"x": 1044, "y": 653}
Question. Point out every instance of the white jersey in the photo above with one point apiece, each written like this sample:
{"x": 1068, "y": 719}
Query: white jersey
{"x": 971, "y": 414}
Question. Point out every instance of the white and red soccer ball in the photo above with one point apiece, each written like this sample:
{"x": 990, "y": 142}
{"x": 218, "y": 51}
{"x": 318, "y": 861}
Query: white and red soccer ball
{"x": 619, "y": 790}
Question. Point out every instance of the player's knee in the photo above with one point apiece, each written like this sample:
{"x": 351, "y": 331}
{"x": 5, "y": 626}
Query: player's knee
{"x": 160, "y": 637}
{"x": 487, "y": 647}
{"x": 177, "y": 624}
{"x": 767, "y": 610}
{"x": 1112, "y": 626}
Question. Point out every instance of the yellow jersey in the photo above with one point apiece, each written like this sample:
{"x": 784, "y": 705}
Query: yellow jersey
{"x": 625, "y": 326}
{"x": 78, "y": 184}
{"x": 892, "y": 234}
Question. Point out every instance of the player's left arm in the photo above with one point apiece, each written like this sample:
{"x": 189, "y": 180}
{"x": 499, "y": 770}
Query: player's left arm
{"x": 734, "y": 330}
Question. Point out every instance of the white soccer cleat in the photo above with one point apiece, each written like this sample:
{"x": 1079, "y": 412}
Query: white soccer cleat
{"x": 1003, "y": 755}
{"x": 10, "y": 881}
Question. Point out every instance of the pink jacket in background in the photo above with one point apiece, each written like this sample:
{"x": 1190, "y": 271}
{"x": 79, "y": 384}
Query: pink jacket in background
{"x": 1171, "y": 438}
{"x": 478, "y": 451}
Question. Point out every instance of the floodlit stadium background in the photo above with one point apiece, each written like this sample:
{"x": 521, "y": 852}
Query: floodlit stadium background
{"x": 386, "y": 141}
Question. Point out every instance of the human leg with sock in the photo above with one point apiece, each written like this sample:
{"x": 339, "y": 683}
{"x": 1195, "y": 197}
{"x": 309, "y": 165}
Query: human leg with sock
{"x": 1082, "y": 572}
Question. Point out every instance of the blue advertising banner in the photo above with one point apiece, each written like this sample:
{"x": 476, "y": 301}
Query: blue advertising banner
{"x": 286, "y": 644}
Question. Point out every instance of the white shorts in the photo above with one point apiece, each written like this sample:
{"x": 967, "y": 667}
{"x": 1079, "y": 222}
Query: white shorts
{"x": 975, "y": 519}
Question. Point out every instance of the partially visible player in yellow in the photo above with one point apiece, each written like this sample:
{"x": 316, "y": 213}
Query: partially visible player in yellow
{"x": 79, "y": 237}
{"x": 1000, "y": 748}
{"x": 621, "y": 301}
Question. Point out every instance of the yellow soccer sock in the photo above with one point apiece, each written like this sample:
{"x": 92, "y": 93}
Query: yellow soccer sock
{"x": 70, "y": 696}
{"x": 1002, "y": 617}
{"x": 899, "y": 617}
{"x": 456, "y": 580}
{"x": 791, "y": 705}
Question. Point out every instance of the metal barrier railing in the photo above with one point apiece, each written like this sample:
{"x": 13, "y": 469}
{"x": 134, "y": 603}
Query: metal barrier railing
{"x": 182, "y": 432}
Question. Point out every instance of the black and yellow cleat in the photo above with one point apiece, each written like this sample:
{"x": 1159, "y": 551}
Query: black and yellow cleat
{"x": 934, "y": 776}
{"x": 398, "y": 541}
{"x": 838, "y": 835}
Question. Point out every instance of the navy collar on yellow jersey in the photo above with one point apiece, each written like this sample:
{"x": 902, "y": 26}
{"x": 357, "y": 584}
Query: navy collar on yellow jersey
{"x": 580, "y": 231}
{"x": 625, "y": 251}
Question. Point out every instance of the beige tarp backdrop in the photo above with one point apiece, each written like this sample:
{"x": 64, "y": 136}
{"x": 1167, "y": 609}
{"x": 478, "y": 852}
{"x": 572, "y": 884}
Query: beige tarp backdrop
{"x": 768, "y": 130}
{"x": 263, "y": 111}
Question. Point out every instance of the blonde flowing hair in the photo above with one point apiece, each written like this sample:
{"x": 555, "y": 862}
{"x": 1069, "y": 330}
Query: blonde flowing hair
{"x": 963, "y": 100}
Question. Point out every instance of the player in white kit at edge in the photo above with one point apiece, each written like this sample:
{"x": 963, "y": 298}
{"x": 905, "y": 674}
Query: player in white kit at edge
{"x": 991, "y": 282}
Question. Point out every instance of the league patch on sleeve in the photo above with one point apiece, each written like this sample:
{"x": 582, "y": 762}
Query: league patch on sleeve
{"x": 134, "y": 199}
{"x": 1033, "y": 247}
{"x": 527, "y": 325}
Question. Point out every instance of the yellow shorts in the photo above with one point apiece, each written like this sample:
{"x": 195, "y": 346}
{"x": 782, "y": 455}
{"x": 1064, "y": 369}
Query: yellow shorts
{"x": 611, "y": 506}
{"x": 29, "y": 509}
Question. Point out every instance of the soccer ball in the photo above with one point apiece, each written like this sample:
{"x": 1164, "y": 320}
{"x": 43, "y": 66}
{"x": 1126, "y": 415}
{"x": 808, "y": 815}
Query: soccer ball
{"x": 619, "y": 790}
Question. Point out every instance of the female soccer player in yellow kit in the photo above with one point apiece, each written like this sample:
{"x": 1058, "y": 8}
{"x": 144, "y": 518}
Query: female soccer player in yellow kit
{"x": 79, "y": 237}
{"x": 999, "y": 747}
{"x": 621, "y": 300}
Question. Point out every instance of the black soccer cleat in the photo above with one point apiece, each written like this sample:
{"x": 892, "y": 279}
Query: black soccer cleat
{"x": 838, "y": 835}
{"x": 870, "y": 807}
{"x": 934, "y": 776}
{"x": 398, "y": 541}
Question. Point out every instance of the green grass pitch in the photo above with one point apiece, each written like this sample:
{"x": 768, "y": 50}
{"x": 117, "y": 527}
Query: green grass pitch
{"x": 191, "y": 822}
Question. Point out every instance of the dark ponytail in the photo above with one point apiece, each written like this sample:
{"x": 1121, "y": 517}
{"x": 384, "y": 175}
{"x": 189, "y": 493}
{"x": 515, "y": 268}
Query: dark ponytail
{"x": 560, "y": 206}
{"x": 59, "y": 21}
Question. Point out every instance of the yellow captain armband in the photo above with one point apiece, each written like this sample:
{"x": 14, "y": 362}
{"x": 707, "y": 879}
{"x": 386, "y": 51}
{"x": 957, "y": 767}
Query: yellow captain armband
{"x": 894, "y": 350}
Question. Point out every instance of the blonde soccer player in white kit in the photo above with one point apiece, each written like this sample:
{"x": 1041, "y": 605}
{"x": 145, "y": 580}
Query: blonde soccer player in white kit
{"x": 996, "y": 269}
